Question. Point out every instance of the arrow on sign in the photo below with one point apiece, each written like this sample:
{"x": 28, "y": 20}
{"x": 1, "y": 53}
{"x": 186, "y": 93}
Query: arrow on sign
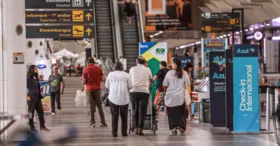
{"x": 88, "y": 31}
{"x": 88, "y": 15}
{"x": 88, "y": 2}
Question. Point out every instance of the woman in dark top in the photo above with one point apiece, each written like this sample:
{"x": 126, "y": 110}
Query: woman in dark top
{"x": 34, "y": 98}
{"x": 129, "y": 9}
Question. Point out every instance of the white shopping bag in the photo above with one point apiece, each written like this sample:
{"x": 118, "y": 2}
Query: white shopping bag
{"x": 80, "y": 99}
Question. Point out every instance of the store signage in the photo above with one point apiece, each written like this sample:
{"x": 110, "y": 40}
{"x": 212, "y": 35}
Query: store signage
{"x": 74, "y": 16}
{"x": 164, "y": 15}
{"x": 41, "y": 63}
{"x": 60, "y": 32}
{"x": 246, "y": 94}
{"x": 59, "y": 4}
{"x": 217, "y": 90}
{"x": 220, "y": 22}
{"x": 258, "y": 35}
{"x": 210, "y": 45}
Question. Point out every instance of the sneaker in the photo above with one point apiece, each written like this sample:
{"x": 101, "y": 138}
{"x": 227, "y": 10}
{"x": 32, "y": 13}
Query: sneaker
{"x": 174, "y": 132}
{"x": 44, "y": 129}
{"x": 182, "y": 130}
{"x": 53, "y": 113}
{"x": 103, "y": 125}
{"x": 92, "y": 125}
{"x": 115, "y": 135}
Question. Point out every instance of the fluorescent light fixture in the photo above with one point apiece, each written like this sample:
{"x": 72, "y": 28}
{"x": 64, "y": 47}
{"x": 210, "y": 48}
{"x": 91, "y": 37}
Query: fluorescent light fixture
{"x": 229, "y": 34}
{"x": 276, "y": 38}
{"x": 262, "y": 25}
{"x": 267, "y": 24}
{"x": 151, "y": 36}
{"x": 256, "y": 27}
{"x": 161, "y": 32}
{"x": 237, "y": 32}
{"x": 251, "y": 28}
{"x": 225, "y": 35}
{"x": 246, "y": 30}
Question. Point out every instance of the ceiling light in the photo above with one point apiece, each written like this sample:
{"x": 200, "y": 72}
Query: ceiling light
{"x": 276, "y": 38}
{"x": 262, "y": 25}
{"x": 267, "y": 24}
{"x": 251, "y": 28}
{"x": 237, "y": 32}
{"x": 229, "y": 34}
{"x": 225, "y": 35}
{"x": 246, "y": 30}
{"x": 256, "y": 27}
{"x": 151, "y": 36}
{"x": 161, "y": 32}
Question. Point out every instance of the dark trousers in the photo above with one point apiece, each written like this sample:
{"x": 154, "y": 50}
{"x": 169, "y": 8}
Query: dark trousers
{"x": 117, "y": 110}
{"x": 55, "y": 97}
{"x": 94, "y": 100}
{"x": 139, "y": 102}
{"x": 38, "y": 106}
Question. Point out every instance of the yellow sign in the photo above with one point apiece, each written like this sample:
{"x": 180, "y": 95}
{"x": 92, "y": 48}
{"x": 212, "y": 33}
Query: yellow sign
{"x": 78, "y": 16}
{"x": 89, "y": 31}
{"x": 78, "y": 31}
{"x": 208, "y": 28}
{"x": 88, "y": 15}
{"x": 232, "y": 21}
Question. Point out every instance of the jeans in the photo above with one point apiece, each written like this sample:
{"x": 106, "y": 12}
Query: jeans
{"x": 94, "y": 100}
{"x": 117, "y": 110}
{"x": 55, "y": 97}
{"x": 38, "y": 106}
{"x": 139, "y": 102}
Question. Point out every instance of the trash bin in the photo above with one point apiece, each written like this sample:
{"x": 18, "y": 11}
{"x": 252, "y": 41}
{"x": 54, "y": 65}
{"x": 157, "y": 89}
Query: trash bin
{"x": 204, "y": 114}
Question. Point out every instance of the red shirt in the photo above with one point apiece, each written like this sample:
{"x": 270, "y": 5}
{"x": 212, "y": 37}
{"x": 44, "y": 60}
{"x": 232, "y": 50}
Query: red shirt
{"x": 94, "y": 75}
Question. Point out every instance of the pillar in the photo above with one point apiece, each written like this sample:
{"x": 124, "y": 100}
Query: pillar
{"x": 13, "y": 76}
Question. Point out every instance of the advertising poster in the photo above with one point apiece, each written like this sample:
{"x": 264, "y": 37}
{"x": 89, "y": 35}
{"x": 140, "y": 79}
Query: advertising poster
{"x": 246, "y": 94}
{"x": 157, "y": 6}
{"x": 210, "y": 45}
{"x": 177, "y": 15}
{"x": 46, "y": 101}
{"x": 154, "y": 53}
{"x": 217, "y": 88}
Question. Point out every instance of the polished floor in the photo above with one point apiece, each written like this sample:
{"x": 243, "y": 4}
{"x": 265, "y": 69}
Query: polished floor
{"x": 196, "y": 135}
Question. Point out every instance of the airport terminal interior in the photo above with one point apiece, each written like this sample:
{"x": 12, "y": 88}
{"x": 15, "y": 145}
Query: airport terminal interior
{"x": 139, "y": 72}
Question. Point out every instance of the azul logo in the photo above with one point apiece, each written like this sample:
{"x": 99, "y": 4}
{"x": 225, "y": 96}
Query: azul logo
{"x": 246, "y": 51}
{"x": 160, "y": 50}
{"x": 221, "y": 62}
{"x": 218, "y": 76}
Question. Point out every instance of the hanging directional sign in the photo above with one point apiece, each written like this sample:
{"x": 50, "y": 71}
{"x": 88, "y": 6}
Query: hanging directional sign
{"x": 60, "y": 4}
{"x": 74, "y": 16}
{"x": 60, "y": 32}
{"x": 220, "y": 22}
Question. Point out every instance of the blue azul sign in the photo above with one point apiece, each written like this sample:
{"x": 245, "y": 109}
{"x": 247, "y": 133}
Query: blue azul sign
{"x": 246, "y": 94}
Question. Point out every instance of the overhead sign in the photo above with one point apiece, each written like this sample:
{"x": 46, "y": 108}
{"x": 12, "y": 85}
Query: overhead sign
{"x": 74, "y": 16}
{"x": 246, "y": 86}
{"x": 217, "y": 88}
{"x": 210, "y": 45}
{"x": 220, "y": 22}
{"x": 60, "y": 32}
{"x": 59, "y": 4}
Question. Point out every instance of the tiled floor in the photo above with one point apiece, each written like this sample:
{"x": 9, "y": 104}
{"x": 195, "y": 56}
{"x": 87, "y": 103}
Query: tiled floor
{"x": 196, "y": 135}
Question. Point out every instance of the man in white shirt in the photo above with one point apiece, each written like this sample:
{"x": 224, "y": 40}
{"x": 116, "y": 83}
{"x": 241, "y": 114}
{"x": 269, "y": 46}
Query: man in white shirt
{"x": 141, "y": 77}
{"x": 118, "y": 83}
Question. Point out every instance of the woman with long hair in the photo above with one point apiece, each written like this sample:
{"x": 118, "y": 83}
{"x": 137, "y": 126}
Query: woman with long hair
{"x": 175, "y": 82}
{"x": 34, "y": 99}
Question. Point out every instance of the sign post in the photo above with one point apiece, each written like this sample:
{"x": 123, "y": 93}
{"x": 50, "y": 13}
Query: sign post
{"x": 217, "y": 88}
{"x": 246, "y": 94}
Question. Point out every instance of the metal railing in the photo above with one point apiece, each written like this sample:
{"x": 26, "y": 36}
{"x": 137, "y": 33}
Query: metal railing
{"x": 139, "y": 18}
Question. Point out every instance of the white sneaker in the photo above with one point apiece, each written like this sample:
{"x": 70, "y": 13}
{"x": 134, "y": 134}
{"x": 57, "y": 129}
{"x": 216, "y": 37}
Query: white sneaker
{"x": 53, "y": 114}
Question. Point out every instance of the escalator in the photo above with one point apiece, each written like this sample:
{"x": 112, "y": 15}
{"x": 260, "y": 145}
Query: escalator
{"x": 130, "y": 37}
{"x": 104, "y": 37}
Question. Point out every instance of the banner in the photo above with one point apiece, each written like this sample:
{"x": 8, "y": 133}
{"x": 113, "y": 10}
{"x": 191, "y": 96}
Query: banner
{"x": 246, "y": 94}
{"x": 209, "y": 45}
{"x": 46, "y": 101}
{"x": 177, "y": 15}
{"x": 157, "y": 7}
{"x": 217, "y": 88}
{"x": 154, "y": 53}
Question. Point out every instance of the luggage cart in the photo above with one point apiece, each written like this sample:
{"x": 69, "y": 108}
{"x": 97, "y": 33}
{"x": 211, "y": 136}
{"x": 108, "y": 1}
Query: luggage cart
{"x": 150, "y": 120}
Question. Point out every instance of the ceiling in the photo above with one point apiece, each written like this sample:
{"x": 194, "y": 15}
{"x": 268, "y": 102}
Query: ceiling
{"x": 255, "y": 11}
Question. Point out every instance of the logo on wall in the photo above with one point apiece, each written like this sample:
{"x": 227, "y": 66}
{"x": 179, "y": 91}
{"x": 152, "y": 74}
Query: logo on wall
{"x": 160, "y": 51}
{"x": 221, "y": 62}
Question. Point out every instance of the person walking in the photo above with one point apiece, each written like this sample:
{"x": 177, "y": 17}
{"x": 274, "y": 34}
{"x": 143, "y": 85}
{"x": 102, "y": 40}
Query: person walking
{"x": 176, "y": 82}
{"x": 92, "y": 77}
{"x": 119, "y": 84}
{"x": 141, "y": 77}
{"x": 160, "y": 77}
{"x": 34, "y": 97}
{"x": 56, "y": 89}
{"x": 129, "y": 9}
